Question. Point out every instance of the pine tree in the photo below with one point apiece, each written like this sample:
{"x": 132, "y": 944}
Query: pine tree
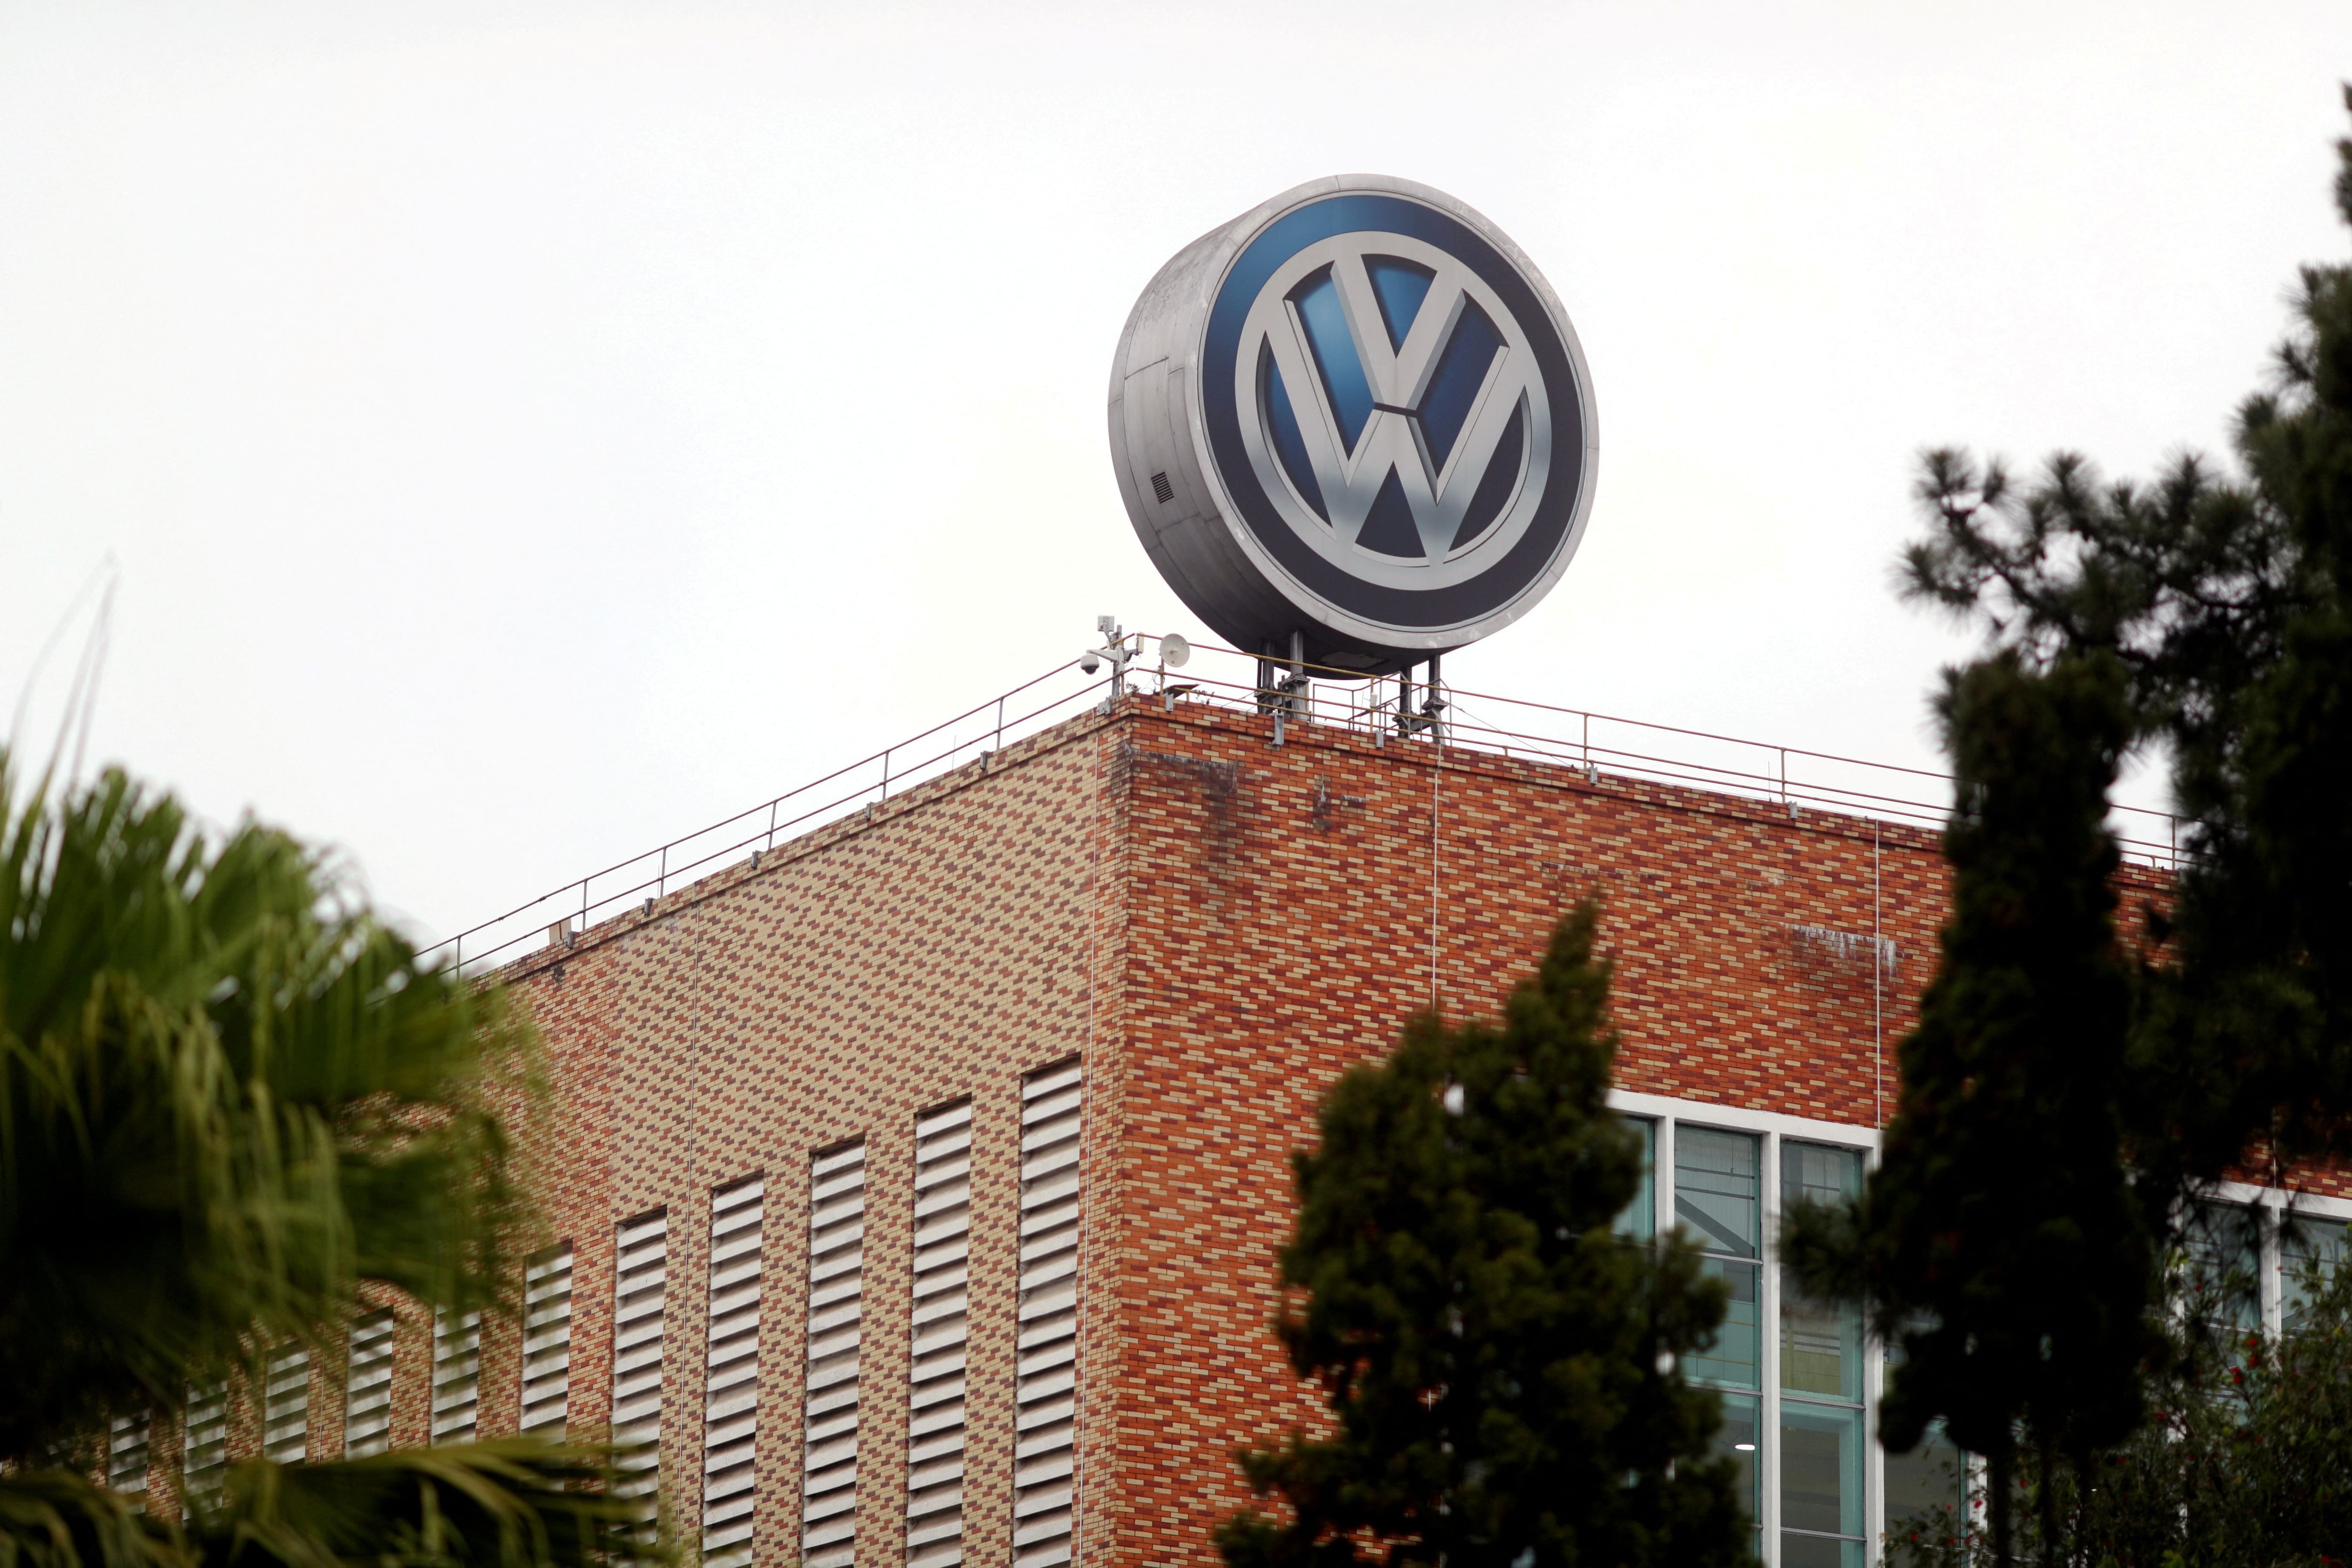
{"x": 2228, "y": 603}
{"x": 1501, "y": 1368}
{"x": 1999, "y": 1243}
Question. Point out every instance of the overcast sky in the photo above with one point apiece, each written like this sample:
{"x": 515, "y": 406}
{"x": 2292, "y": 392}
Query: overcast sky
{"x": 525, "y": 432}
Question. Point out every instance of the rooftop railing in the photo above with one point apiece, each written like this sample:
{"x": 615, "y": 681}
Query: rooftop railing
{"x": 1384, "y": 712}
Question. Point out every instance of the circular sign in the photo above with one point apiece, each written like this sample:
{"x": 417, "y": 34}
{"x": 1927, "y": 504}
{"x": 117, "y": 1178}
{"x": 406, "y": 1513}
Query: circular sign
{"x": 1357, "y": 414}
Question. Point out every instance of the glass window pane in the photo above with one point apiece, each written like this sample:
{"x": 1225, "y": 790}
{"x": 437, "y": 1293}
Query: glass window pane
{"x": 1818, "y": 1551}
{"x": 2310, "y": 1250}
{"x": 1732, "y": 1358}
{"x": 1640, "y": 1220}
{"x": 1821, "y": 1470}
{"x": 2223, "y": 1242}
{"x": 1819, "y": 1173}
{"x": 1717, "y": 1191}
{"x": 1925, "y": 1493}
{"x": 1739, "y": 1437}
{"x": 1821, "y": 1343}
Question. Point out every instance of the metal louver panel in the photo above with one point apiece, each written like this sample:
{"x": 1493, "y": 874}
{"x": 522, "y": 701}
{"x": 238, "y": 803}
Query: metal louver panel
{"x": 1044, "y": 1388}
{"x": 935, "y": 1425}
{"x": 204, "y": 1460}
{"x": 835, "y": 1314}
{"x": 367, "y": 1387}
{"x": 640, "y": 1284}
{"x": 286, "y": 1407}
{"x": 731, "y": 1399}
{"x": 127, "y": 1439}
{"x": 456, "y": 1376}
{"x": 547, "y": 1341}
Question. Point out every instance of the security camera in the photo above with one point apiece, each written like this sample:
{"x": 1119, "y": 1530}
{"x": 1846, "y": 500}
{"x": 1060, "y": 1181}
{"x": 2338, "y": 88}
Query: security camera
{"x": 1090, "y": 661}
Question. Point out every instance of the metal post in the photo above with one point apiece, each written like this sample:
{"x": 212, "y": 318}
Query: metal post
{"x": 771, "y": 825}
{"x": 886, "y": 772}
{"x": 662, "y": 885}
{"x": 1298, "y": 682}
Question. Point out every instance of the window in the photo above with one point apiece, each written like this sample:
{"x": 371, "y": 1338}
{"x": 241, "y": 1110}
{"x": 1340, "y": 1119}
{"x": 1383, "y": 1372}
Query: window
{"x": 730, "y": 1388}
{"x": 935, "y": 1379}
{"x": 1719, "y": 1204}
{"x": 1045, "y": 1384}
{"x": 127, "y": 1440}
{"x": 640, "y": 1290}
{"x": 205, "y": 1434}
{"x": 837, "y": 1314}
{"x": 1719, "y": 1199}
{"x": 547, "y": 1341}
{"x": 1928, "y": 1492}
{"x": 2310, "y": 1249}
{"x": 2223, "y": 1266}
{"x": 367, "y": 1387}
{"x": 1640, "y": 1220}
{"x": 1821, "y": 1453}
{"x": 286, "y": 1407}
{"x": 457, "y": 1375}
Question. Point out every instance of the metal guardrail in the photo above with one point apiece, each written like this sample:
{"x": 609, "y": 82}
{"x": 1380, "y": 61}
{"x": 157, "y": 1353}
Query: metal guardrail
{"x": 1598, "y": 745}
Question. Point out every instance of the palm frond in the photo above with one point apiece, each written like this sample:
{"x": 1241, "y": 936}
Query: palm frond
{"x": 516, "y": 1502}
{"x": 228, "y": 1095}
{"x": 61, "y": 1519}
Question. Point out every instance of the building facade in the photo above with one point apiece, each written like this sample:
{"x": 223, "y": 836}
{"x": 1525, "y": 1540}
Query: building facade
{"x": 918, "y": 1182}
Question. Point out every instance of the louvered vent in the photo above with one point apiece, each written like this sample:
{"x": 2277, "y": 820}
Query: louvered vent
{"x": 547, "y": 1341}
{"x": 935, "y": 1401}
{"x": 204, "y": 1461}
{"x": 127, "y": 1438}
{"x": 367, "y": 1387}
{"x": 640, "y": 1282}
{"x": 456, "y": 1376}
{"x": 286, "y": 1407}
{"x": 835, "y": 1313}
{"x": 1045, "y": 1386}
{"x": 730, "y": 1408}
{"x": 1161, "y": 491}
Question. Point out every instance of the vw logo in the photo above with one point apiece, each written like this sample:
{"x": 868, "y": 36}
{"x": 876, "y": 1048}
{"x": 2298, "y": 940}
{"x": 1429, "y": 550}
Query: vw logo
{"x": 1358, "y": 415}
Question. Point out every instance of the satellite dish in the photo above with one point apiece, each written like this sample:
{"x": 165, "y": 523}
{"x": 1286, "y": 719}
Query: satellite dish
{"x": 1174, "y": 651}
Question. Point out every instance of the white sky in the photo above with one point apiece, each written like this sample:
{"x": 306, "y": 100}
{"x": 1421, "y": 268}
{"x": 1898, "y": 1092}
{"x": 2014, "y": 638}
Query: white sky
{"x": 526, "y": 432}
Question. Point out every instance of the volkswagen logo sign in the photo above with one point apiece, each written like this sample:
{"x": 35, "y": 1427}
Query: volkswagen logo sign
{"x": 1355, "y": 414}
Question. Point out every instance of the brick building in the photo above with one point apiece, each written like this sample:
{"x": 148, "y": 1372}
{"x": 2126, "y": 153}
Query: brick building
{"x": 920, "y": 1179}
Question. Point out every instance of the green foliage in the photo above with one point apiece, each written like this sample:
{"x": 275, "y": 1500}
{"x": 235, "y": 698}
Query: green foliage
{"x": 515, "y": 1503}
{"x": 227, "y": 1095}
{"x": 2245, "y": 1461}
{"x": 2228, "y": 603}
{"x": 1999, "y": 1242}
{"x": 229, "y": 1099}
{"x": 1500, "y": 1367}
{"x": 512, "y": 1503}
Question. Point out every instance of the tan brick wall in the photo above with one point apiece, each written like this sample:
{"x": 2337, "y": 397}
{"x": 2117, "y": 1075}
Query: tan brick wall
{"x": 1220, "y": 927}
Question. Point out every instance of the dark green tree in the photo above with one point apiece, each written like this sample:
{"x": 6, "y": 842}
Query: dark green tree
{"x": 2245, "y": 1461}
{"x": 231, "y": 1099}
{"x": 1501, "y": 1368}
{"x": 1999, "y": 1243}
{"x": 2228, "y": 603}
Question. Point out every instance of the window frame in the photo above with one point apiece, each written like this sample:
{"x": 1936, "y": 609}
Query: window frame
{"x": 1665, "y": 1114}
